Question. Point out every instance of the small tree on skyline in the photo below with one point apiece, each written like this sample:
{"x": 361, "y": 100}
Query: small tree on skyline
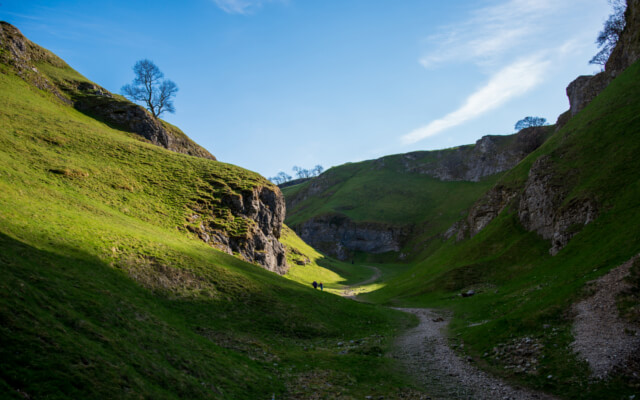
{"x": 149, "y": 88}
{"x": 528, "y": 122}
{"x": 317, "y": 170}
{"x": 284, "y": 177}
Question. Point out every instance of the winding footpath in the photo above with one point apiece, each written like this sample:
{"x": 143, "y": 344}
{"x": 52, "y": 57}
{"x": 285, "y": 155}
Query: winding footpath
{"x": 426, "y": 356}
{"x": 350, "y": 291}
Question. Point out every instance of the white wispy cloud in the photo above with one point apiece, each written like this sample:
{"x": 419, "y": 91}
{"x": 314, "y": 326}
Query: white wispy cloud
{"x": 528, "y": 36}
{"x": 242, "y": 6}
{"x": 492, "y": 31}
{"x": 513, "y": 80}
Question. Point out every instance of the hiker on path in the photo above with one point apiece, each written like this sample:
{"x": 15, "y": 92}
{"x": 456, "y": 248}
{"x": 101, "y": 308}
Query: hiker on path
{"x": 321, "y": 288}
{"x": 315, "y": 284}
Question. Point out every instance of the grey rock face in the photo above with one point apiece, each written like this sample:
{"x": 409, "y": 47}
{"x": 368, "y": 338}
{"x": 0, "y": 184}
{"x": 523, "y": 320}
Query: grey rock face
{"x": 262, "y": 211}
{"x": 627, "y": 51}
{"x": 584, "y": 89}
{"x": 124, "y": 115}
{"x": 489, "y": 156}
{"x": 482, "y": 213}
{"x": 541, "y": 208}
{"x": 490, "y": 206}
{"x": 337, "y": 235}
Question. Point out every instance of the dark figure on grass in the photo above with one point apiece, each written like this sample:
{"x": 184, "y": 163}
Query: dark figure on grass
{"x": 321, "y": 287}
{"x": 315, "y": 284}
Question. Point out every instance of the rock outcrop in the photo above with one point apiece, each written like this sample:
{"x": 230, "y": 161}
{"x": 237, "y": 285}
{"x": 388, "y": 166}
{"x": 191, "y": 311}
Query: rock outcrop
{"x": 584, "y": 89}
{"x": 542, "y": 206}
{"x": 24, "y": 57}
{"x": 124, "y": 115}
{"x": 542, "y": 209}
{"x": 337, "y": 235}
{"x": 248, "y": 224}
{"x": 490, "y": 155}
{"x": 627, "y": 51}
{"x": 482, "y": 212}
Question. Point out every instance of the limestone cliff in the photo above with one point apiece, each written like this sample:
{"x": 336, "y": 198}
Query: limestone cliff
{"x": 48, "y": 72}
{"x": 338, "y": 236}
{"x": 490, "y": 155}
{"x": 543, "y": 208}
{"x": 243, "y": 221}
{"x": 482, "y": 212}
{"x": 627, "y": 51}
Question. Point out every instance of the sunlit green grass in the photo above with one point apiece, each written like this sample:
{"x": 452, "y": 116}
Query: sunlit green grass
{"x": 105, "y": 294}
{"x": 335, "y": 275}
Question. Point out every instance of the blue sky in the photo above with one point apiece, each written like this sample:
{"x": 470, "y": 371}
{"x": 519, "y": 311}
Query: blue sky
{"x": 269, "y": 84}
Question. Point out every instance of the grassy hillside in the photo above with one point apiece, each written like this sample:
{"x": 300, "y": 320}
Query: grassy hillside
{"x": 522, "y": 291}
{"x": 106, "y": 294}
{"x": 381, "y": 191}
{"x": 400, "y": 198}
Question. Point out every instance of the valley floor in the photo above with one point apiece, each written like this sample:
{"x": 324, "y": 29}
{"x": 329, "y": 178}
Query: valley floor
{"x": 427, "y": 357}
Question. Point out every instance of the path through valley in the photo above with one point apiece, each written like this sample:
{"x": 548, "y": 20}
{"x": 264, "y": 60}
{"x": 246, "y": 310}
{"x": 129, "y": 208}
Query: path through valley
{"x": 426, "y": 356}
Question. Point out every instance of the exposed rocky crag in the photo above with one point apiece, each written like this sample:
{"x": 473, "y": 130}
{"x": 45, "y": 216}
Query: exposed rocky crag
{"x": 584, "y": 89}
{"x": 101, "y": 104}
{"x": 627, "y": 51}
{"x": 490, "y": 155}
{"x": 482, "y": 212}
{"x": 249, "y": 224}
{"x": 542, "y": 209}
{"x": 337, "y": 235}
{"x": 25, "y": 57}
{"x": 541, "y": 205}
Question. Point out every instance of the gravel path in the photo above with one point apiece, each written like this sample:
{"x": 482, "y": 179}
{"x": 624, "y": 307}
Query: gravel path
{"x": 351, "y": 292}
{"x": 602, "y": 338}
{"x": 426, "y": 355}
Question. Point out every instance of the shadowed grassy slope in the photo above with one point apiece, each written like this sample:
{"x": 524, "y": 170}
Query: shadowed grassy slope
{"x": 522, "y": 290}
{"x": 105, "y": 294}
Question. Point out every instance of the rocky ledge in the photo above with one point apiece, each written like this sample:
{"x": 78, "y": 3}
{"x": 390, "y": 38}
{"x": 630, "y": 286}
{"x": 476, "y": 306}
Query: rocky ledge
{"x": 490, "y": 155}
{"x": 247, "y": 224}
{"x": 627, "y": 51}
{"x": 338, "y": 236}
{"x": 541, "y": 205}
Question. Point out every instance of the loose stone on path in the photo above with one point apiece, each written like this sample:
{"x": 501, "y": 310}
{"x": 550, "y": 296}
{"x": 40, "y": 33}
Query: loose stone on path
{"x": 425, "y": 353}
